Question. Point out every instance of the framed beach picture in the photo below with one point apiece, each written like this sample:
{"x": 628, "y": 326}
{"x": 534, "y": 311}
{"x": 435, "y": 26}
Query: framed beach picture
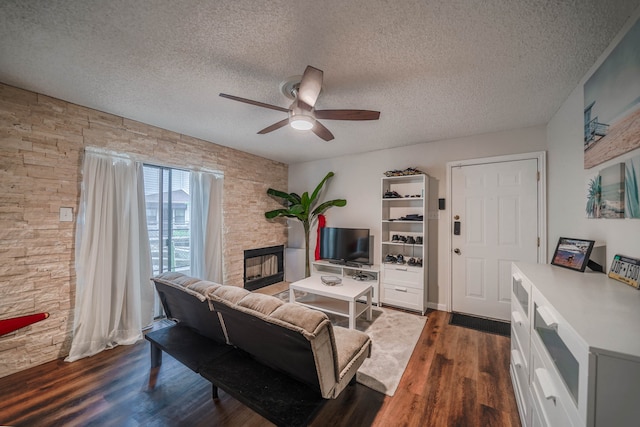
{"x": 612, "y": 103}
{"x": 572, "y": 253}
{"x": 612, "y": 191}
{"x": 632, "y": 188}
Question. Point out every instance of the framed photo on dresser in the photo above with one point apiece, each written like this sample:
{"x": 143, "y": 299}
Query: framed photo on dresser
{"x": 572, "y": 253}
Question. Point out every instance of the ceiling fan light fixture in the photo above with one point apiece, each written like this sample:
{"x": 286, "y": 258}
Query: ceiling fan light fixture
{"x": 301, "y": 122}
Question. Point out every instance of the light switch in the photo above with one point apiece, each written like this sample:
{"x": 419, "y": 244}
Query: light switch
{"x": 66, "y": 214}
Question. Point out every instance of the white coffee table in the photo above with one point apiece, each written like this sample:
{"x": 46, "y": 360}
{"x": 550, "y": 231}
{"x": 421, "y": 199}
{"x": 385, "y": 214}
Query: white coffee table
{"x": 341, "y": 300}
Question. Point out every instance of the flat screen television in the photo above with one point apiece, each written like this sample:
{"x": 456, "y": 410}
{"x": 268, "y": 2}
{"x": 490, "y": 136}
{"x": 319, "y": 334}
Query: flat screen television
{"x": 345, "y": 245}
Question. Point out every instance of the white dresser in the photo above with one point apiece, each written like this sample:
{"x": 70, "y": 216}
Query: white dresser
{"x": 575, "y": 348}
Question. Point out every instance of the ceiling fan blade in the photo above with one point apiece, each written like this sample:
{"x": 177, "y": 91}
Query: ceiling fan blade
{"x": 319, "y": 129}
{"x": 310, "y": 86}
{"x": 274, "y": 126}
{"x": 347, "y": 114}
{"x": 252, "y": 102}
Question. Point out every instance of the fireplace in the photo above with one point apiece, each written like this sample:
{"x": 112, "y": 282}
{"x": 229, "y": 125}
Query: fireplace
{"x": 263, "y": 267}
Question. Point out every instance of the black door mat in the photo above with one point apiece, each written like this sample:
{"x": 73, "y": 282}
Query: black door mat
{"x": 481, "y": 324}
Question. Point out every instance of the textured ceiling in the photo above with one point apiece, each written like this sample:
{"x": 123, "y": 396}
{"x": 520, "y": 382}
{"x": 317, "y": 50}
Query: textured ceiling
{"x": 434, "y": 69}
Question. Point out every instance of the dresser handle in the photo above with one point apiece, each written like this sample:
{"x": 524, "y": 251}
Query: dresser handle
{"x": 517, "y": 317}
{"x": 401, "y": 269}
{"x": 516, "y": 359}
{"x": 547, "y": 317}
{"x": 400, "y": 289}
{"x": 548, "y": 389}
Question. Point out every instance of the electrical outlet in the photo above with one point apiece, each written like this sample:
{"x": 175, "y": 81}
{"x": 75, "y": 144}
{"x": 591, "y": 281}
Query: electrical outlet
{"x": 66, "y": 214}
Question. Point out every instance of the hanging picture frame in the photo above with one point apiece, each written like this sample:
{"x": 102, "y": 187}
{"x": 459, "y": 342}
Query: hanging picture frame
{"x": 572, "y": 253}
{"x": 612, "y": 103}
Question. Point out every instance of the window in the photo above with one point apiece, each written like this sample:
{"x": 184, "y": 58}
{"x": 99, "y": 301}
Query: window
{"x": 167, "y": 199}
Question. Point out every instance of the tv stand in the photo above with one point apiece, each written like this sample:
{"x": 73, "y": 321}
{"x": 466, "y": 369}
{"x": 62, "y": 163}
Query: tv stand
{"x": 351, "y": 270}
{"x": 354, "y": 264}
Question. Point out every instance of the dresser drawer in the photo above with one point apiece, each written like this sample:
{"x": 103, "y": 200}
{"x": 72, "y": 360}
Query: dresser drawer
{"x": 549, "y": 394}
{"x": 402, "y": 296}
{"x": 520, "y": 331}
{"x": 520, "y": 363}
{"x": 521, "y": 390}
{"x": 404, "y": 276}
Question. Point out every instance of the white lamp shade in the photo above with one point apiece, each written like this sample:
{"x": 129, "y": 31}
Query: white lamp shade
{"x": 301, "y": 122}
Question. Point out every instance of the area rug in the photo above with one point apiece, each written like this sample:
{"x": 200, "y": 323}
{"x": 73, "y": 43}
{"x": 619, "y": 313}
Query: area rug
{"x": 481, "y": 324}
{"x": 394, "y": 335}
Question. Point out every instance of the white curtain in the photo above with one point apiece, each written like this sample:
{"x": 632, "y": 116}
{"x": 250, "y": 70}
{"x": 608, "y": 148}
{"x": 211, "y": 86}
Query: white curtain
{"x": 114, "y": 296}
{"x": 206, "y": 226}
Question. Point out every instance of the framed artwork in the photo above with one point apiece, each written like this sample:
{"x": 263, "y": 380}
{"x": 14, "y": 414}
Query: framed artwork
{"x": 612, "y": 103}
{"x": 612, "y": 191}
{"x": 632, "y": 188}
{"x": 572, "y": 253}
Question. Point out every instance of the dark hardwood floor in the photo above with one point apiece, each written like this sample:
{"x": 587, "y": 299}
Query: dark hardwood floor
{"x": 456, "y": 377}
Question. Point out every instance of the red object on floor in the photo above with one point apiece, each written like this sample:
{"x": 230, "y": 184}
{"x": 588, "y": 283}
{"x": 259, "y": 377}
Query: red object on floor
{"x": 10, "y": 325}
{"x": 322, "y": 221}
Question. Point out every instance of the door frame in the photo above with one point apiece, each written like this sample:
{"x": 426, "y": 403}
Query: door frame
{"x": 541, "y": 157}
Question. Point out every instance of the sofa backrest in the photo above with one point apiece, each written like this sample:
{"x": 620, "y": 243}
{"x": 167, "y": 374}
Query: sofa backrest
{"x": 184, "y": 300}
{"x": 288, "y": 337}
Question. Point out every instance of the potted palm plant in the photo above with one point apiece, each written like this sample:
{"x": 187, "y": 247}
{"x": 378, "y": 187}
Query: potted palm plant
{"x": 304, "y": 209}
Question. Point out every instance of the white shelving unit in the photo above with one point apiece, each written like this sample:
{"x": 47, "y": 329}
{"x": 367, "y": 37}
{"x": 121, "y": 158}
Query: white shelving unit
{"x": 370, "y": 273}
{"x": 404, "y": 284}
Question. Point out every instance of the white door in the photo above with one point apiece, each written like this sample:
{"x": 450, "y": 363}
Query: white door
{"x": 495, "y": 221}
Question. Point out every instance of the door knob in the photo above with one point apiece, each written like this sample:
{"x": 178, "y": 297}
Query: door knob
{"x": 456, "y": 250}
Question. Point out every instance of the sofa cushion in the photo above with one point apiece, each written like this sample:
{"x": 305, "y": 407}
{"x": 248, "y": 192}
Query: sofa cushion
{"x": 264, "y": 304}
{"x": 195, "y": 287}
{"x": 184, "y": 300}
{"x": 349, "y": 343}
{"x": 306, "y": 319}
{"x": 232, "y": 294}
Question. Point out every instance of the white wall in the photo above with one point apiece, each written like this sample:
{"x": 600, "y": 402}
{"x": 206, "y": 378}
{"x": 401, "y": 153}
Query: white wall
{"x": 567, "y": 178}
{"x": 358, "y": 177}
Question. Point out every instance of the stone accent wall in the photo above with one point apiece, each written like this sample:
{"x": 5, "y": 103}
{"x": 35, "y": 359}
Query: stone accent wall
{"x": 41, "y": 146}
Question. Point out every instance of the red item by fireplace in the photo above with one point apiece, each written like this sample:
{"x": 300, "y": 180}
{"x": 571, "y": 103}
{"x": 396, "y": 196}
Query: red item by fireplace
{"x": 322, "y": 221}
{"x": 10, "y": 325}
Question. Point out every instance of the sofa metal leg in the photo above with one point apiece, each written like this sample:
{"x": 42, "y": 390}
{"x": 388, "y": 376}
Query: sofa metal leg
{"x": 156, "y": 356}
{"x": 214, "y": 392}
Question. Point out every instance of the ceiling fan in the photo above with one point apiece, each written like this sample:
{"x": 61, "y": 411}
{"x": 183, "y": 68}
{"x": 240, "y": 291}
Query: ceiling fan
{"x": 302, "y": 112}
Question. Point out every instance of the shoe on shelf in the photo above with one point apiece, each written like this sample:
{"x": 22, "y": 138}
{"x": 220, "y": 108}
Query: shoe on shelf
{"x": 400, "y": 259}
{"x": 412, "y": 261}
{"x": 395, "y": 238}
{"x": 390, "y": 258}
{"x": 419, "y": 240}
{"x": 411, "y": 240}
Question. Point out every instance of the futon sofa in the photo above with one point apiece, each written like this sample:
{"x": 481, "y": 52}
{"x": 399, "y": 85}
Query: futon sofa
{"x": 292, "y": 349}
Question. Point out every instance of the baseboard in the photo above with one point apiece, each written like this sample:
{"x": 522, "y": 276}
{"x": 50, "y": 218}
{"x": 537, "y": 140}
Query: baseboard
{"x": 437, "y": 306}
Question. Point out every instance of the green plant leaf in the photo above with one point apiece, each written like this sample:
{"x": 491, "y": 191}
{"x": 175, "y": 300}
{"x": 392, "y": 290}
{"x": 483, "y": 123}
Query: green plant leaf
{"x": 286, "y": 196}
{"x": 276, "y": 213}
{"x": 319, "y": 187}
{"x": 304, "y": 201}
{"x": 326, "y": 205}
{"x": 296, "y": 196}
{"x": 297, "y": 209}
